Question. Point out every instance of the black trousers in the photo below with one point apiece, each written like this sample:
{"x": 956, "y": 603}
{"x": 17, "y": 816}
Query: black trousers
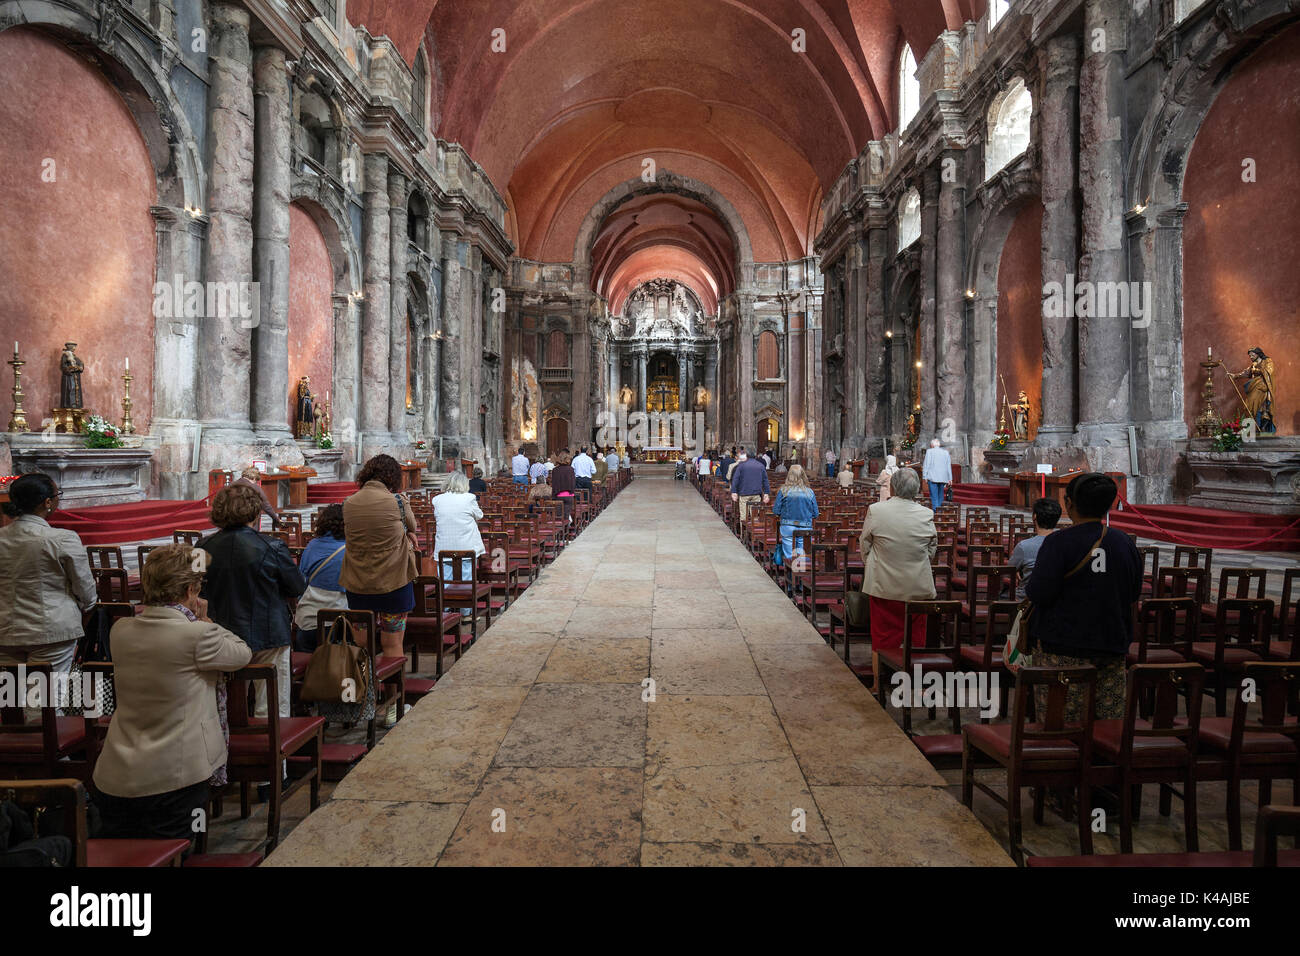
{"x": 159, "y": 816}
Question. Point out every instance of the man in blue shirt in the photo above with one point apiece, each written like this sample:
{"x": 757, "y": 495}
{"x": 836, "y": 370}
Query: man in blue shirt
{"x": 1046, "y": 514}
{"x": 749, "y": 483}
{"x": 936, "y": 469}
{"x": 584, "y": 468}
{"x": 519, "y": 468}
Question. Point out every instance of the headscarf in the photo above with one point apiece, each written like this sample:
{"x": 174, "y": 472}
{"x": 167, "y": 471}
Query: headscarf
{"x": 891, "y": 465}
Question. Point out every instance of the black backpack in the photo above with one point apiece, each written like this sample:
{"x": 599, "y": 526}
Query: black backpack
{"x": 21, "y": 847}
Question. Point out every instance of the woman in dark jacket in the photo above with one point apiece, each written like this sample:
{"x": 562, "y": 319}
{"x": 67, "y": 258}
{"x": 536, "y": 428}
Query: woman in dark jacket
{"x": 564, "y": 483}
{"x": 249, "y": 578}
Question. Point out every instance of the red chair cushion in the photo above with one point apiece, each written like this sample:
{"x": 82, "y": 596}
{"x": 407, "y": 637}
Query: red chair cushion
{"x": 1108, "y": 739}
{"x": 893, "y": 656}
{"x": 294, "y": 732}
{"x": 1216, "y": 732}
{"x": 939, "y": 746}
{"x": 996, "y": 739}
{"x": 1203, "y": 651}
{"x": 298, "y": 661}
{"x": 386, "y": 667}
{"x": 134, "y": 853}
{"x": 974, "y": 654}
{"x": 71, "y": 734}
{"x": 224, "y": 860}
{"x": 1155, "y": 655}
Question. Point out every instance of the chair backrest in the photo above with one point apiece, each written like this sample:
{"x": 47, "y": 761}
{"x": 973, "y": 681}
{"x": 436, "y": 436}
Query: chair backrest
{"x": 428, "y": 596}
{"x": 38, "y": 694}
{"x": 945, "y": 554}
{"x": 362, "y": 621}
{"x": 1288, "y": 613}
{"x": 985, "y": 583}
{"x": 456, "y": 562}
{"x": 942, "y": 581}
{"x": 239, "y": 705}
{"x": 1150, "y": 558}
{"x": 1236, "y": 582}
{"x": 942, "y": 623}
{"x": 1059, "y": 683}
{"x": 1271, "y": 823}
{"x": 1165, "y": 685}
{"x": 984, "y": 555}
{"x": 1275, "y": 686}
{"x": 496, "y": 546}
{"x": 830, "y": 566}
{"x": 184, "y": 536}
{"x": 111, "y": 584}
{"x": 104, "y": 556}
{"x": 142, "y": 552}
{"x": 974, "y": 513}
{"x": 1244, "y": 624}
{"x": 997, "y": 625}
{"x": 1168, "y": 623}
{"x": 1192, "y": 557}
{"x": 280, "y": 536}
{"x": 65, "y": 793}
{"x": 1180, "y": 582}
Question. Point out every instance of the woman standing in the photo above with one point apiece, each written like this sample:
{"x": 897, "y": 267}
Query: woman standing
{"x": 564, "y": 482}
{"x": 897, "y": 544}
{"x": 885, "y": 477}
{"x": 456, "y": 514}
{"x": 45, "y": 579}
{"x": 380, "y": 561}
{"x": 797, "y": 507}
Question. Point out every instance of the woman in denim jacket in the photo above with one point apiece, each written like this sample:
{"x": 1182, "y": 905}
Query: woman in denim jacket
{"x": 796, "y": 505}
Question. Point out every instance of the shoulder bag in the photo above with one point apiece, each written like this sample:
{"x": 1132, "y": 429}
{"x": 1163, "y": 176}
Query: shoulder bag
{"x": 1015, "y": 653}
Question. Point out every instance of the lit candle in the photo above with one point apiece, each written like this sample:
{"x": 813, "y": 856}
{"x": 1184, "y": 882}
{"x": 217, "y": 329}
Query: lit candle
{"x": 1209, "y": 351}
{"x": 128, "y": 363}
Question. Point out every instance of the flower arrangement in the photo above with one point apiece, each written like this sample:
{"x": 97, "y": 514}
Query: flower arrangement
{"x": 1001, "y": 438}
{"x": 1228, "y": 437}
{"x": 100, "y": 433}
{"x": 324, "y": 440}
{"x": 419, "y": 443}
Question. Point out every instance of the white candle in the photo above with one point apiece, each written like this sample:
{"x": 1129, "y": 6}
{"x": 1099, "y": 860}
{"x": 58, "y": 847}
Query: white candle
{"x": 15, "y": 349}
{"x": 128, "y": 363}
{"x": 1209, "y": 351}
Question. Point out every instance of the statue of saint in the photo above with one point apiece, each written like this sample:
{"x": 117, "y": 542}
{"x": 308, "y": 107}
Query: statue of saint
{"x": 1259, "y": 391}
{"x": 304, "y": 417}
{"x": 625, "y": 395}
{"x": 701, "y": 395}
{"x": 1020, "y": 417}
{"x": 71, "y": 366}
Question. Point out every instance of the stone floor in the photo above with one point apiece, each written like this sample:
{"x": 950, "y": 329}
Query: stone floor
{"x": 653, "y": 699}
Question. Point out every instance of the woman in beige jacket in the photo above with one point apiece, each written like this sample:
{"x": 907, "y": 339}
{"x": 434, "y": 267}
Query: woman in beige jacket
{"x": 898, "y": 542}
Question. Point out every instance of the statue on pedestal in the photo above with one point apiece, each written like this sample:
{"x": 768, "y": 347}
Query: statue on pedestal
{"x": 1020, "y": 417}
{"x": 625, "y": 395}
{"x": 304, "y": 415}
{"x": 71, "y": 365}
{"x": 1258, "y": 397}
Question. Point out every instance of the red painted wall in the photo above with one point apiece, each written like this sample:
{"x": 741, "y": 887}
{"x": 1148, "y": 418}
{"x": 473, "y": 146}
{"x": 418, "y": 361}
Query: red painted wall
{"x": 1020, "y": 313}
{"x": 311, "y": 310}
{"x": 76, "y": 254}
{"x": 1241, "y": 241}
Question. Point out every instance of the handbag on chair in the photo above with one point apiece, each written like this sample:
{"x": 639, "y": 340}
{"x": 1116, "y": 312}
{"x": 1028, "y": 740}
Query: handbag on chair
{"x": 856, "y": 609}
{"x": 336, "y": 668}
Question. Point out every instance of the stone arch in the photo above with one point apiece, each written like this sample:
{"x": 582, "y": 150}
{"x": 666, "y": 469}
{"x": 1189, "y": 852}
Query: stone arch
{"x": 665, "y": 182}
{"x": 1008, "y": 126}
{"x": 908, "y": 218}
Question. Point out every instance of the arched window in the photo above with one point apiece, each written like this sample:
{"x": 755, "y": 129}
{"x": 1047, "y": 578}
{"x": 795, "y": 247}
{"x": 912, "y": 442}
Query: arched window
{"x": 909, "y": 89}
{"x": 557, "y": 350}
{"x": 420, "y": 89}
{"x": 1008, "y": 127}
{"x": 318, "y": 138}
{"x": 909, "y": 219}
{"x": 997, "y": 10}
{"x": 417, "y": 220}
{"x": 769, "y": 357}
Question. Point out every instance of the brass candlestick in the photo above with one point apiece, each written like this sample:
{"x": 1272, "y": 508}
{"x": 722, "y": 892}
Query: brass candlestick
{"x": 128, "y": 427}
{"x": 1207, "y": 423}
{"x": 18, "y": 420}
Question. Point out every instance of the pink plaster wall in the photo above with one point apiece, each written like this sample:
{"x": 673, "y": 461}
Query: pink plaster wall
{"x": 76, "y": 254}
{"x": 1241, "y": 283}
{"x": 311, "y": 309}
{"x": 1020, "y": 305}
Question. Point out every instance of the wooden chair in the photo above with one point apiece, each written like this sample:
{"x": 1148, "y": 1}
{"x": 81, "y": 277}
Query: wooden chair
{"x": 1242, "y": 630}
{"x": 1150, "y": 557}
{"x": 498, "y": 570}
{"x": 1049, "y": 753}
{"x": 1236, "y": 583}
{"x": 183, "y": 536}
{"x": 1166, "y": 630}
{"x": 1159, "y": 749}
{"x": 985, "y": 657}
{"x": 463, "y": 589}
{"x": 1266, "y": 748}
{"x": 389, "y": 673}
{"x": 260, "y": 747}
{"x": 112, "y": 585}
{"x": 1188, "y": 556}
{"x": 987, "y": 583}
{"x": 431, "y": 625}
{"x": 52, "y": 746}
{"x": 936, "y": 652}
{"x": 1180, "y": 582}
{"x": 823, "y": 584}
{"x": 291, "y": 523}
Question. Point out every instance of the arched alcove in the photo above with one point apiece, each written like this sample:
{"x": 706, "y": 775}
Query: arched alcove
{"x": 1007, "y": 126}
{"x": 909, "y": 219}
{"x": 311, "y": 308}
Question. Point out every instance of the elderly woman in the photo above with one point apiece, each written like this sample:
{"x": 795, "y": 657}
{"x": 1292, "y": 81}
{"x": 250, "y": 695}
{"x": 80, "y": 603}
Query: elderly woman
{"x": 564, "y": 482}
{"x": 251, "y": 477}
{"x": 380, "y": 561}
{"x": 45, "y": 579}
{"x": 165, "y": 740}
{"x": 321, "y": 564}
{"x": 898, "y": 542}
{"x": 796, "y": 505}
{"x": 456, "y": 514}
{"x": 250, "y": 577}
{"x": 886, "y": 476}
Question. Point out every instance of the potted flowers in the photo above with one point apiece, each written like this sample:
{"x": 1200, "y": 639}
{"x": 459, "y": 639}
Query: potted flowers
{"x": 1001, "y": 438}
{"x": 1228, "y": 437}
{"x": 101, "y": 434}
{"x": 324, "y": 440}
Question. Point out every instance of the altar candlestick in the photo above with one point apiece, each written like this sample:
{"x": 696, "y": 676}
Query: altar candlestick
{"x": 18, "y": 420}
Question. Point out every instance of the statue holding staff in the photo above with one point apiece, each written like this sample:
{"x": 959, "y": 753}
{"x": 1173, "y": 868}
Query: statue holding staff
{"x": 1258, "y": 396}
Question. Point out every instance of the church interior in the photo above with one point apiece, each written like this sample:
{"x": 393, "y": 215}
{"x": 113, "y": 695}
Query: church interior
{"x": 645, "y": 350}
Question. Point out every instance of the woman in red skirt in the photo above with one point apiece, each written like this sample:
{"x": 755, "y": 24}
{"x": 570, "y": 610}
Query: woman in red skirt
{"x": 898, "y": 543}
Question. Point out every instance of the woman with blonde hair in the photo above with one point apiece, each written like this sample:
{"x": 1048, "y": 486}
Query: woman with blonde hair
{"x": 886, "y": 476}
{"x": 796, "y": 505}
{"x": 251, "y": 477}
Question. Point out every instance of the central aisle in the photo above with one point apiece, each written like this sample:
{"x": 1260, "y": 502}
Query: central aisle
{"x": 759, "y": 747}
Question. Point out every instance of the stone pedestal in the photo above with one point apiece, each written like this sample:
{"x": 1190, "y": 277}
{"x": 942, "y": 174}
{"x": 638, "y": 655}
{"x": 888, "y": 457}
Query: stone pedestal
{"x": 1263, "y": 477}
{"x": 1001, "y": 463}
{"x": 86, "y": 476}
{"x": 326, "y": 461}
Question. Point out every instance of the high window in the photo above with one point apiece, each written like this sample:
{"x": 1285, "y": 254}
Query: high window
{"x": 909, "y": 89}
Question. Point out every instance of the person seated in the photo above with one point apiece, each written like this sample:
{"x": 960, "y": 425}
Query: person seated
{"x": 845, "y": 477}
{"x": 250, "y": 578}
{"x": 165, "y": 741}
{"x": 320, "y": 564}
{"x": 477, "y": 486}
{"x": 540, "y": 490}
{"x": 1046, "y": 514}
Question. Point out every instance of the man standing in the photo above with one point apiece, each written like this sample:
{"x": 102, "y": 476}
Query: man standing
{"x": 830, "y": 463}
{"x": 937, "y": 470}
{"x": 519, "y": 468}
{"x": 724, "y": 464}
{"x": 584, "y": 468}
{"x": 748, "y": 483}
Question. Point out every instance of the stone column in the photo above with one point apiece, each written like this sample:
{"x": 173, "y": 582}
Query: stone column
{"x": 580, "y": 434}
{"x": 471, "y": 353}
{"x": 1059, "y": 125}
{"x": 272, "y": 391}
{"x": 641, "y": 356}
{"x": 875, "y": 344}
{"x": 224, "y": 341}
{"x": 1104, "y": 359}
{"x": 376, "y": 373}
{"x": 450, "y": 343}
{"x": 796, "y": 362}
{"x": 745, "y": 344}
{"x": 950, "y": 306}
{"x": 929, "y": 314}
{"x": 400, "y": 328}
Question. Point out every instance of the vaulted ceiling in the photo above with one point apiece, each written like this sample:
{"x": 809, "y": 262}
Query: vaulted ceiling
{"x": 586, "y": 91}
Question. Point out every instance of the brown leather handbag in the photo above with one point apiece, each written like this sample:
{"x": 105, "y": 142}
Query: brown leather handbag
{"x": 336, "y": 672}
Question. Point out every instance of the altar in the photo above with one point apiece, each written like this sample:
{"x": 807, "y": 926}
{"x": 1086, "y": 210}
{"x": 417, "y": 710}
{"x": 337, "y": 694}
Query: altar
{"x": 662, "y": 452}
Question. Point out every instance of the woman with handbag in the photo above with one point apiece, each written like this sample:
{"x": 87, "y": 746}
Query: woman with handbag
{"x": 321, "y": 563}
{"x": 380, "y": 560}
{"x": 796, "y": 505}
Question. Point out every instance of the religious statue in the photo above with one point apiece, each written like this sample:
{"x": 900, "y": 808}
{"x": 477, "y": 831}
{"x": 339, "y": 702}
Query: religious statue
{"x": 701, "y": 395}
{"x": 71, "y": 365}
{"x": 318, "y": 423}
{"x": 1258, "y": 397}
{"x": 304, "y": 417}
{"x": 1020, "y": 417}
{"x": 625, "y": 395}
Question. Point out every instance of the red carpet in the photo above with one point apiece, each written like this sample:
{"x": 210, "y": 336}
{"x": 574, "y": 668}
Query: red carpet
{"x": 330, "y": 492}
{"x": 978, "y": 494}
{"x": 1210, "y": 528}
{"x": 114, "y": 524}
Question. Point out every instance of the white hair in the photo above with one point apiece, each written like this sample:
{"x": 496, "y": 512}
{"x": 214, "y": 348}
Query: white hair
{"x": 905, "y": 483}
{"x": 934, "y": 443}
{"x": 457, "y": 483}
